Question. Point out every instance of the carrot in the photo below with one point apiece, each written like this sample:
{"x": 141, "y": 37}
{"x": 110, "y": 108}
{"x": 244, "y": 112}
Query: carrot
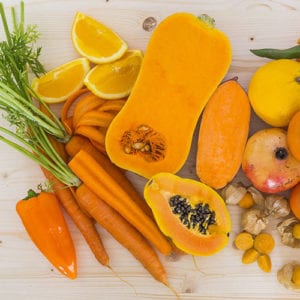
{"x": 122, "y": 231}
{"x": 96, "y": 118}
{"x": 101, "y": 182}
{"x": 81, "y": 219}
{"x": 112, "y": 105}
{"x": 87, "y": 103}
{"x": 59, "y": 147}
{"x": 91, "y": 116}
{"x": 75, "y": 144}
{"x": 91, "y": 133}
{"x": 84, "y": 223}
{"x": 100, "y": 147}
{"x": 68, "y": 125}
{"x": 66, "y": 107}
{"x": 78, "y": 143}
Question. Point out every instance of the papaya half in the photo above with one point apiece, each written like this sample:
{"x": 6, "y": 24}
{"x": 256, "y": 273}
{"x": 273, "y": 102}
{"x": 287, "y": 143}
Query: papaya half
{"x": 185, "y": 60}
{"x": 192, "y": 214}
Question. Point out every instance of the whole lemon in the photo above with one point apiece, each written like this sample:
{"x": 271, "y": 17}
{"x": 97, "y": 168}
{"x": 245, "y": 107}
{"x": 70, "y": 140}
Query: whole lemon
{"x": 274, "y": 91}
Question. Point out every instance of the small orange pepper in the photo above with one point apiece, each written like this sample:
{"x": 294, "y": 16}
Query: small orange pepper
{"x": 44, "y": 221}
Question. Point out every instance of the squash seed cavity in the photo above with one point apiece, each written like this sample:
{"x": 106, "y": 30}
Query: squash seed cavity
{"x": 144, "y": 141}
{"x": 198, "y": 217}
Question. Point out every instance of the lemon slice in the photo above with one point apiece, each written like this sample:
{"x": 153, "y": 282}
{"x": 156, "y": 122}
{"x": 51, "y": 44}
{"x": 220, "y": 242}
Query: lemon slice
{"x": 58, "y": 84}
{"x": 95, "y": 40}
{"x": 116, "y": 79}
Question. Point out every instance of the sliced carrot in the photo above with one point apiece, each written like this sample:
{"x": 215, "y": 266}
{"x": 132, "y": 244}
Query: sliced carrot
{"x": 92, "y": 133}
{"x": 293, "y": 135}
{"x": 101, "y": 182}
{"x": 112, "y": 105}
{"x": 84, "y": 223}
{"x": 87, "y": 103}
{"x": 68, "y": 124}
{"x": 96, "y": 118}
{"x": 122, "y": 231}
{"x": 66, "y": 108}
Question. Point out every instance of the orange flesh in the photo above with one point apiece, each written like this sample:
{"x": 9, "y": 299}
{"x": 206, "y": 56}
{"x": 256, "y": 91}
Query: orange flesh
{"x": 171, "y": 90}
{"x": 157, "y": 194}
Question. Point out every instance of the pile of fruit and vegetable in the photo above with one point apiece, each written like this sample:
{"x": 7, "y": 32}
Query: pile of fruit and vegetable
{"x": 121, "y": 111}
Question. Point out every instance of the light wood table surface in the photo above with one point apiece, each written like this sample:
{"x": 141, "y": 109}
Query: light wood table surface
{"x": 25, "y": 274}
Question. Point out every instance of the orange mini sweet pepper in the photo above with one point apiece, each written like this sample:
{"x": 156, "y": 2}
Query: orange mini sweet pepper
{"x": 44, "y": 221}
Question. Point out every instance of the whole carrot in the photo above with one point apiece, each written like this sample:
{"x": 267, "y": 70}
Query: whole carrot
{"x": 78, "y": 143}
{"x": 84, "y": 223}
{"x": 122, "y": 231}
{"x": 75, "y": 144}
{"x": 66, "y": 196}
{"x": 95, "y": 177}
{"x": 43, "y": 220}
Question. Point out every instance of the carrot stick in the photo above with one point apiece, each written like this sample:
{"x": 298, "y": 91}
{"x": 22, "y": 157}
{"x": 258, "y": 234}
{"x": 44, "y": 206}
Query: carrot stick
{"x": 90, "y": 172}
{"x": 122, "y": 231}
{"x": 84, "y": 223}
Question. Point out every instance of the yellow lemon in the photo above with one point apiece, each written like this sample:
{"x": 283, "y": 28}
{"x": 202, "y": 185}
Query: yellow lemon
{"x": 95, "y": 40}
{"x": 115, "y": 80}
{"x": 58, "y": 84}
{"x": 274, "y": 91}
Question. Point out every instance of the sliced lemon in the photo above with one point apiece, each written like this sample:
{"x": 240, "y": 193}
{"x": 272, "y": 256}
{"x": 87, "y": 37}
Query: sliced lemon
{"x": 58, "y": 84}
{"x": 95, "y": 40}
{"x": 116, "y": 79}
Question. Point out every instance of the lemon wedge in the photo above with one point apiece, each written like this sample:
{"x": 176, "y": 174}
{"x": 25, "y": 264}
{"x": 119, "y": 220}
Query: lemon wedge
{"x": 58, "y": 84}
{"x": 96, "y": 41}
{"x": 115, "y": 80}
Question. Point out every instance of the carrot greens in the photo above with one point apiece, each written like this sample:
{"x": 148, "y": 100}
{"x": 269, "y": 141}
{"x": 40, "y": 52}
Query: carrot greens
{"x": 18, "y": 57}
{"x": 31, "y": 125}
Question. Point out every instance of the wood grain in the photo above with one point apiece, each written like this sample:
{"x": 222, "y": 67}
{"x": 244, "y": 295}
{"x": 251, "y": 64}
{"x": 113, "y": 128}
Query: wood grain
{"x": 25, "y": 274}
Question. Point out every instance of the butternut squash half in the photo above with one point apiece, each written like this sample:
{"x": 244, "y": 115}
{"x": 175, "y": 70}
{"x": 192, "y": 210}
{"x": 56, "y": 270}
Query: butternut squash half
{"x": 190, "y": 212}
{"x": 186, "y": 59}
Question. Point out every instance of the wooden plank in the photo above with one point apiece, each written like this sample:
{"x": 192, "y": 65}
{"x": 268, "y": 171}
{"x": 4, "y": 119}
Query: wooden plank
{"x": 25, "y": 274}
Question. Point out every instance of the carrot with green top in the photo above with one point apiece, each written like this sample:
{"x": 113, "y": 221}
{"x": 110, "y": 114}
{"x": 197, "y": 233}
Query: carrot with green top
{"x": 96, "y": 178}
{"x": 43, "y": 220}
